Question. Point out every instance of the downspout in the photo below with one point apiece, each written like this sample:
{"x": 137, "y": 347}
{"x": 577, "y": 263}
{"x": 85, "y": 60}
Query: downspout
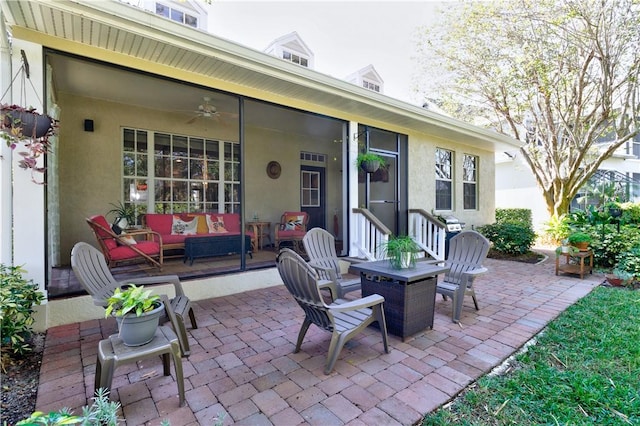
{"x": 6, "y": 153}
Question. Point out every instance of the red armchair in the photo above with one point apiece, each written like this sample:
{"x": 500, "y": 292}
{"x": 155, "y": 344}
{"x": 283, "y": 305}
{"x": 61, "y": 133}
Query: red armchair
{"x": 292, "y": 227}
{"x": 122, "y": 248}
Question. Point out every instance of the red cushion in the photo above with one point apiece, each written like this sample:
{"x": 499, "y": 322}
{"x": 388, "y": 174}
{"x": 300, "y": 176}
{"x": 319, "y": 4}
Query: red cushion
{"x": 290, "y": 234}
{"x": 160, "y": 223}
{"x": 124, "y": 252}
{"x": 102, "y": 234}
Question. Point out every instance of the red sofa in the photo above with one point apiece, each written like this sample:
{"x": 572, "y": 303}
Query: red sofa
{"x": 173, "y": 234}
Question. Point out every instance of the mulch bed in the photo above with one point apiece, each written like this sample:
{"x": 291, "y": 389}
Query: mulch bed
{"x": 530, "y": 257}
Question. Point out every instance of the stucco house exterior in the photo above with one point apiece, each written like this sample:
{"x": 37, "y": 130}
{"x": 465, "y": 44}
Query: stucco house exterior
{"x": 516, "y": 186}
{"x": 143, "y": 81}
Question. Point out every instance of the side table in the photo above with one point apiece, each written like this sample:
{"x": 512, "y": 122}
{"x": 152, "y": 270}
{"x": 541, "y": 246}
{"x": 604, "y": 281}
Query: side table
{"x": 261, "y": 230}
{"x": 582, "y": 262}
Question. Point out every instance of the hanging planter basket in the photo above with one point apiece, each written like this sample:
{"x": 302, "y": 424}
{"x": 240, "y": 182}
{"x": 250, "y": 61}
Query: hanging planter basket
{"x": 24, "y": 124}
{"x": 370, "y": 166}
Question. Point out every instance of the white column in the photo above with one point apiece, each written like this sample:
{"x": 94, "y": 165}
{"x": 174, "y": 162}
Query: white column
{"x": 29, "y": 210}
{"x": 6, "y": 193}
{"x": 352, "y": 169}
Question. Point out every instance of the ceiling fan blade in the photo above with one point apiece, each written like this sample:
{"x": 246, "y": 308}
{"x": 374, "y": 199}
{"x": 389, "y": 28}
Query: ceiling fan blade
{"x": 194, "y": 118}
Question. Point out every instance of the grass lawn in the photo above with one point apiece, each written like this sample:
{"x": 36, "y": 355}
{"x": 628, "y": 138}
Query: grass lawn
{"x": 583, "y": 370}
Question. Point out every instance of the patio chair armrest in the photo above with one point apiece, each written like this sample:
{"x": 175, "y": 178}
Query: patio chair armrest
{"x": 329, "y": 285}
{"x": 475, "y": 272}
{"x": 161, "y": 279}
{"x": 365, "y": 302}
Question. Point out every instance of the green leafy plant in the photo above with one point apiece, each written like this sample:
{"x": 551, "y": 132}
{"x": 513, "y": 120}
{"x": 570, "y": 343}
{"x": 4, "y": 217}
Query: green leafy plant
{"x": 608, "y": 246}
{"x": 579, "y": 237}
{"x": 558, "y": 228}
{"x": 366, "y": 157}
{"x": 401, "y": 251}
{"x": 17, "y": 298}
{"x": 509, "y": 238}
{"x": 101, "y": 412}
{"x": 629, "y": 262}
{"x": 122, "y": 211}
{"x": 133, "y": 299}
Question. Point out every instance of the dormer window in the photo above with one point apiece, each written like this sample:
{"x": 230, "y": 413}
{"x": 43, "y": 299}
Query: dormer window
{"x": 296, "y": 59}
{"x": 371, "y": 85}
{"x": 176, "y": 15}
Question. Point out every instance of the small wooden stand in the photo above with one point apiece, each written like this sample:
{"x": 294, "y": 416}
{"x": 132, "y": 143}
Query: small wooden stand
{"x": 579, "y": 267}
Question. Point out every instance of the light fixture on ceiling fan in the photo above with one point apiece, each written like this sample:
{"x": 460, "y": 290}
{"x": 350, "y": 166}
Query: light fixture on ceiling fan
{"x": 207, "y": 110}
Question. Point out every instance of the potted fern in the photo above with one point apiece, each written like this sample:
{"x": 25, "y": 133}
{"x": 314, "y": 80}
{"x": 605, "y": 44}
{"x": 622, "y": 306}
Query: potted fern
{"x": 580, "y": 240}
{"x": 370, "y": 162}
{"x": 137, "y": 312}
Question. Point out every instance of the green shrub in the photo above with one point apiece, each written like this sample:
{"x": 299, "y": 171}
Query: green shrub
{"x": 17, "y": 297}
{"x": 515, "y": 216}
{"x": 509, "y": 238}
{"x": 630, "y": 213}
{"x": 558, "y": 228}
{"x": 629, "y": 261}
{"x": 609, "y": 243}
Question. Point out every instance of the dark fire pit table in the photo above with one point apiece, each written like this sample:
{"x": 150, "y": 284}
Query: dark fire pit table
{"x": 409, "y": 294}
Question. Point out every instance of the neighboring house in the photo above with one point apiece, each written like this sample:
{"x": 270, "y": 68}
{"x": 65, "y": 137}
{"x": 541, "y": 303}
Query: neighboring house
{"x": 195, "y": 120}
{"x": 368, "y": 78}
{"x": 516, "y": 186}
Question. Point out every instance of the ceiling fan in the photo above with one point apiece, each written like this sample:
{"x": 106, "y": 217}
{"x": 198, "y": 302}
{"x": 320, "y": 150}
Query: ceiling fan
{"x": 206, "y": 110}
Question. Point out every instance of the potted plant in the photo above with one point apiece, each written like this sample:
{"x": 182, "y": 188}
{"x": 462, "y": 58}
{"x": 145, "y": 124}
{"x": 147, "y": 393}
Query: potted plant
{"x": 125, "y": 215}
{"x": 580, "y": 240}
{"x": 619, "y": 277}
{"x": 401, "y": 251}
{"x": 370, "y": 162}
{"x": 137, "y": 312}
{"x": 20, "y": 125}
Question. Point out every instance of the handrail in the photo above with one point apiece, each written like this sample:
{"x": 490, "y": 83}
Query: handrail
{"x": 428, "y": 231}
{"x": 370, "y": 234}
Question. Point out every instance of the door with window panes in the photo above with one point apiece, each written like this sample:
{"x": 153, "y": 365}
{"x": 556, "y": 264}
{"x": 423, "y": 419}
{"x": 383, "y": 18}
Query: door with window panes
{"x": 312, "y": 196}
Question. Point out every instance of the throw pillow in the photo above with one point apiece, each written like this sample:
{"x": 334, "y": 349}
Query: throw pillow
{"x": 216, "y": 224}
{"x": 182, "y": 227}
{"x": 126, "y": 239}
{"x": 203, "y": 227}
{"x": 294, "y": 223}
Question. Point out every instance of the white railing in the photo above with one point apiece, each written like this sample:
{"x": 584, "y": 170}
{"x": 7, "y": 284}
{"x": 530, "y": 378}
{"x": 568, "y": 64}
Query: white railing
{"x": 428, "y": 232}
{"x": 370, "y": 234}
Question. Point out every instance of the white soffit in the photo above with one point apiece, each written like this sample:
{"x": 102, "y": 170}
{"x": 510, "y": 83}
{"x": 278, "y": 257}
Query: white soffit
{"x": 123, "y": 29}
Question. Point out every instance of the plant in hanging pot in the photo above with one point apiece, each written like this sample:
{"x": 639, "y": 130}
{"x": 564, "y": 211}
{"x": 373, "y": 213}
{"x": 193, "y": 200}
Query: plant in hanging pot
{"x": 21, "y": 126}
{"x": 580, "y": 240}
{"x": 137, "y": 312}
{"x": 370, "y": 162}
{"x": 401, "y": 251}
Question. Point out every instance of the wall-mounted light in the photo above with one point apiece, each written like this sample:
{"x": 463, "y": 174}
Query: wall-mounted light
{"x": 88, "y": 125}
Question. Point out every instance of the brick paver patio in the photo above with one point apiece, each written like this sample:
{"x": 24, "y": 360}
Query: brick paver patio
{"x": 243, "y": 367}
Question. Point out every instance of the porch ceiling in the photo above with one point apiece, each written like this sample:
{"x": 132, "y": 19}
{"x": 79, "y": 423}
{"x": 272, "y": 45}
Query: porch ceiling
{"x": 129, "y": 36}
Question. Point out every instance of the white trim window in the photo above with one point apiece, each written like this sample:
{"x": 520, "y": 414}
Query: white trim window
{"x": 167, "y": 173}
{"x": 176, "y": 15}
{"x": 470, "y": 182}
{"x": 296, "y": 59}
{"x": 367, "y": 84}
{"x": 444, "y": 179}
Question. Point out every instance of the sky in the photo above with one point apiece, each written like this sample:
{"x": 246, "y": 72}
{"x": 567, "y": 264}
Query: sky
{"x": 344, "y": 36}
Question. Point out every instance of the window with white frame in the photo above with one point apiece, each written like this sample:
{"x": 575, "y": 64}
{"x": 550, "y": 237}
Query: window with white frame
{"x": 310, "y": 188}
{"x": 176, "y": 15}
{"x": 444, "y": 179}
{"x": 371, "y": 85}
{"x": 188, "y": 174}
{"x": 635, "y": 146}
{"x": 470, "y": 182}
{"x": 296, "y": 59}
